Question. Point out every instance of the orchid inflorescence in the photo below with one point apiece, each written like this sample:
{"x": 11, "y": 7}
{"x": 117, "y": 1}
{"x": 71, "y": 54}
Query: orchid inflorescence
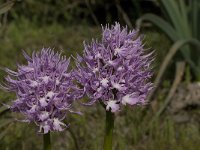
{"x": 43, "y": 89}
{"x": 115, "y": 71}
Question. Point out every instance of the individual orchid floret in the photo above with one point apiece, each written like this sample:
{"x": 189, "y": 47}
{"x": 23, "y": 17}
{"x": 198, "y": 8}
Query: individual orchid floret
{"x": 44, "y": 89}
{"x": 115, "y": 71}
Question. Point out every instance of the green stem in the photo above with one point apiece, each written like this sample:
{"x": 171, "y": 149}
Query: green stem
{"x": 47, "y": 141}
{"x": 109, "y": 130}
{"x": 74, "y": 138}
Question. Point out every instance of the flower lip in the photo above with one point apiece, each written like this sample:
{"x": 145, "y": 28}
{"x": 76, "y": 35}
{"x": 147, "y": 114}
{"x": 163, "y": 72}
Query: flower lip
{"x": 50, "y": 95}
{"x": 98, "y": 55}
{"x": 57, "y": 125}
{"x": 131, "y": 99}
{"x": 34, "y": 83}
{"x": 43, "y": 102}
{"x": 45, "y": 79}
{"x": 119, "y": 86}
{"x": 33, "y": 109}
{"x": 104, "y": 82}
{"x": 44, "y": 115}
{"x": 112, "y": 105}
{"x": 96, "y": 69}
{"x": 117, "y": 51}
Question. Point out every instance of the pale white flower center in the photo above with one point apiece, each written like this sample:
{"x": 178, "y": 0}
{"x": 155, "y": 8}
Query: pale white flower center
{"x": 120, "y": 68}
{"x": 33, "y": 108}
{"x": 111, "y": 104}
{"x": 45, "y": 79}
{"x": 126, "y": 99}
{"x": 43, "y": 102}
{"x": 95, "y": 70}
{"x": 34, "y": 83}
{"x": 44, "y": 115}
{"x": 57, "y": 82}
{"x": 28, "y": 69}
{"x": 45, "y": 127}
{"x": 50, "y": 95}
{"x": 67, "y": 75}
{"x": 99, "y": 89}
{"x": 117, "y": 50}
{"x": 116, "y": 85}
{"x": 129, "y": 99}
{"x": 57, "y": 124}
{"x": 130, "y": 41}
{"x": 104, "y": 82}
{"x": 98, "y": 55}
{"x": 110, "y": 62}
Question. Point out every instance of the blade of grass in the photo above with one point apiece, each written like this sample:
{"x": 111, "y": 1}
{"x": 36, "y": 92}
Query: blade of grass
{"x": 167, "y": 28}
{"x": 3, "y": 133}
{"x": 3, "y": 110}
{"x": 174, "y": 14}
{"x": 198, "y": 20}
{"x": 184, "y": 15}
{"x": 74, "y": 138}
{"x": 159, "y": 22}
{"x": 6, "y": 6}
{"x": 5, "y": 123}
{"x": 180, "y": 67}
{"x": 175, "y": 47}
{"x": 195, "y": 18}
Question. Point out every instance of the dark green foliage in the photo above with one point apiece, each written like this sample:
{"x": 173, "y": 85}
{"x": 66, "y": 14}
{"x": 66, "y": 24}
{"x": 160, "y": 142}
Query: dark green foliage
{"x": 43, "y": 12}
{"x": 5, "y": 7}
{"x": 181, "y": 25}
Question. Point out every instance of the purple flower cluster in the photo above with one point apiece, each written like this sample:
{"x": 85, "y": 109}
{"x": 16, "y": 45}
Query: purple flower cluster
{"x": 44, "y": 90}
{"x": 116, "y": 70}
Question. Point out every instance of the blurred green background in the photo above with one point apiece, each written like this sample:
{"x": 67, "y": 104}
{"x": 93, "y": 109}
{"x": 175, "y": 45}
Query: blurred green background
{"x": 169, "y": 122}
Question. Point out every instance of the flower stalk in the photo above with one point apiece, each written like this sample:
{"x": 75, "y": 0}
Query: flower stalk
{"x": 47, "y": 141}
{"x": 110, "y": 118}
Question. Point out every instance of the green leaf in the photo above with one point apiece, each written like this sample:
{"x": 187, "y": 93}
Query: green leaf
{"x": 198, "y": 20}
{"x": 177, "y": 26}
{"x": 3, "y": 110}
{"x": 185, "y": 18}
{"x": 194, "y": 11}
{"x": 6, "y": 6}
{"x": 3, "y": 133}
{"x": 175, "y": 47}
{"x": 161, "y": 23}
{"x": 5, "y": 123}
{"x": 8, "y": 124}
{"x": 179, "y": 22}
{"x": 174, "y": 13}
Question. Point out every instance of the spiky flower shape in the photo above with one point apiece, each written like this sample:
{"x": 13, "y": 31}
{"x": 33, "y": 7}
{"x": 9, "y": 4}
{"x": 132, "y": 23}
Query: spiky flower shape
{"x": 116, "y": 70}
{"x": 43, "y": 89}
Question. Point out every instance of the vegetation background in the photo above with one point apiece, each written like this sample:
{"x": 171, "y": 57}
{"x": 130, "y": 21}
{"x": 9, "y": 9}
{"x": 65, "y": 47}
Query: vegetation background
{"x": 63, "y": 25}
